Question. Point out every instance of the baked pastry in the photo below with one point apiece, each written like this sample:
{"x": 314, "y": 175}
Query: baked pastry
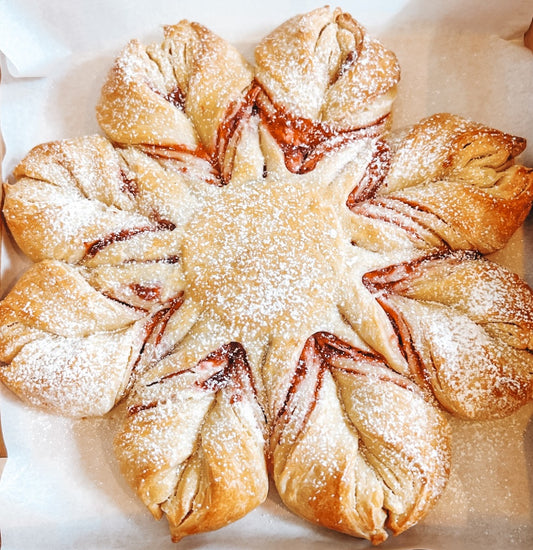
{"x": 275, "y": 284}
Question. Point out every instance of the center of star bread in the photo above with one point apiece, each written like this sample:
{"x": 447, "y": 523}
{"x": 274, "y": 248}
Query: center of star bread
{"x": 264, "y": 256}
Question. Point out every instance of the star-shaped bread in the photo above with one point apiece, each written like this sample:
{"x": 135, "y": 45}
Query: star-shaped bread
{"x": 275, "y": 284}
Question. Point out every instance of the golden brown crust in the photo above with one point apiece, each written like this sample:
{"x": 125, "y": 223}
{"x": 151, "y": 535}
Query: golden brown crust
{"x": 77, "y": 198}
{"x": 192, "y": 443}
{"x": 64, "y": 346}
{"x": 357, "y": 448}
{"x": 323, "y": 66}
{"x": 158, "y": 95}
{"x": 467, "y": 326}
{"x": 451, "y": 183}
{"x": 528, "y": 37}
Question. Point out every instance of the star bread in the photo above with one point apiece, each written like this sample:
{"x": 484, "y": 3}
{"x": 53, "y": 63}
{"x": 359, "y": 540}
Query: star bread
{"x": 274, "y": 283}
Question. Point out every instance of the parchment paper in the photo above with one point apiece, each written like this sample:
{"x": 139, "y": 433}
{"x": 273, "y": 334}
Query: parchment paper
{"x": 61, "y": 488}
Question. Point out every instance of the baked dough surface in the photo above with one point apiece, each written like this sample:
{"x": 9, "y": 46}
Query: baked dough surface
{"x": 276, "y": 284}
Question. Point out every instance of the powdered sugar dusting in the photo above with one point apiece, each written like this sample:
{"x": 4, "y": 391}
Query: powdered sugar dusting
{"x": 267, "y": 259}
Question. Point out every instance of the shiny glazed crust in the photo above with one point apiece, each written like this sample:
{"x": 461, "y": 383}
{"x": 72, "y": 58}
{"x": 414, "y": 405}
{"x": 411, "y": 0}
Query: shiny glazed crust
{"x": 272, "y": 283}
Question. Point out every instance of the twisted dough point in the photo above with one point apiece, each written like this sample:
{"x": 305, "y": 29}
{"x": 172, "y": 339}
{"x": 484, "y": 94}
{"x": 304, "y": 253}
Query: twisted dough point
{"x": 323, "y": 66}
{"x": 323, "y": 83}
{"x": 467, "y": 325}
{"x": 70, "y": 349}
{"x": 448, "y": 183}
{"x": 466, "y": 176}
{"x": 357, "y": 448}
{"x": 173, "y": 94}
{"x": 83, "y": 201}
{"x": 192, "y": 444}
